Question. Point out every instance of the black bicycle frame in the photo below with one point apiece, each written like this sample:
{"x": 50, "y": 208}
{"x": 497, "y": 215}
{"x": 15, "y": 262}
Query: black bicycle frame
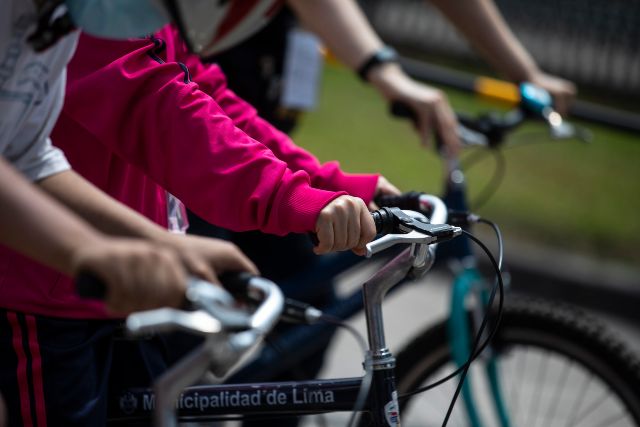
{"x": 270, "y": 399}
{"x": 294, "y": 397}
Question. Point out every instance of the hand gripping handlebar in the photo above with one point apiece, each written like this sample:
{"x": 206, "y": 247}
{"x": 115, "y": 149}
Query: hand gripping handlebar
{"x": 215, "y": 310}
{"x": 412, "y": 227}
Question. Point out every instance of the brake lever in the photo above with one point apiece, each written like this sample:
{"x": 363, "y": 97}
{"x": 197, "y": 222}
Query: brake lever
{"x": 402, "y": 228}
{"x": 389, "y": 240}
{"x": 561, "y": 129}
{"x": 217, "y": 302}
{"x": 169, "y": 319}
{"x": 404, "y": 224}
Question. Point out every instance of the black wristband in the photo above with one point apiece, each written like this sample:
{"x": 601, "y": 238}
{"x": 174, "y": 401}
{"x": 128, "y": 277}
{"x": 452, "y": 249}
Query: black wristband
{"x": 381, "y": 56}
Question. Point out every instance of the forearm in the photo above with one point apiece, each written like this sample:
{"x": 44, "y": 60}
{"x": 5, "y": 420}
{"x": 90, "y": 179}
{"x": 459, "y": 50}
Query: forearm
{"x": 482, "y": 24}
{"x": 342, "y": 26}
{"x": 98, "y": 209}
{"x": 37, "y": 226}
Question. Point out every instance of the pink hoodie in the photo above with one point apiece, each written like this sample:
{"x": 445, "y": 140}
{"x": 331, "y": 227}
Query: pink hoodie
{"x": 141, "y": 116}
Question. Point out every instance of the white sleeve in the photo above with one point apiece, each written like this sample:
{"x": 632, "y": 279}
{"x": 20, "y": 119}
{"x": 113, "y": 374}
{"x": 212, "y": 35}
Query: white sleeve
{"x": 41, "y": 160}
{"x": 32, "y": 88}
{"x": 32, "y": 152}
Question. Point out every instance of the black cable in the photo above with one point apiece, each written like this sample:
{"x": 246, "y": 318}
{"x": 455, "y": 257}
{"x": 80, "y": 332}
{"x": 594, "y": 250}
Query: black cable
{"x": 496, "y": 229}
{"x": 494, "y": 183}
{"x": 365, "y": 386}
{"x": 499, "y": 286}
{"x": 474, "y": 157}
{"x": 295, "y": 371}
{"x": 530, "y": 138}
{"x": 485, "y": 320}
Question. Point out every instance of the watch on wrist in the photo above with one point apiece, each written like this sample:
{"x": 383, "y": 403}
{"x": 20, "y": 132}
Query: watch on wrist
{"x": 381, "y": 56}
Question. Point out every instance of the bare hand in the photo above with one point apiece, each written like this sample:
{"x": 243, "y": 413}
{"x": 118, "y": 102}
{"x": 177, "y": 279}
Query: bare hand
{"x": 139, "y": 275}
{"x": 206, "y": 257}
{"x": 562, "y": 91}
{"x": 345, "y": 223}
{"x": 430, "y": 105}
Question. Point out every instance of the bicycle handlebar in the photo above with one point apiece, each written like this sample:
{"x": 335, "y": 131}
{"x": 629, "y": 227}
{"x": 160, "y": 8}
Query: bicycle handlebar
{"x": 218, "y": 306}
{"x": 215, "y": 308}
{"x": 90, "y": 286}
{"x": 489, "y": 130}
{"x": 412, "y": 227}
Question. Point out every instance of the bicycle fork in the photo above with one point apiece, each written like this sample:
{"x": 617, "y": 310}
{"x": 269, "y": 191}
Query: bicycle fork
{"x": 459, "y": 329}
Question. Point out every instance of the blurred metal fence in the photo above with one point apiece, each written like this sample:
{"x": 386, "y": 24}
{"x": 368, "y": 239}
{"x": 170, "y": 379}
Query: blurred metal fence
{"x": 592, "y": 42}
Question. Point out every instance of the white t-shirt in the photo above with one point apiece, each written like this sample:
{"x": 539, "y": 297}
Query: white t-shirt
{"x": 31, "y": 92}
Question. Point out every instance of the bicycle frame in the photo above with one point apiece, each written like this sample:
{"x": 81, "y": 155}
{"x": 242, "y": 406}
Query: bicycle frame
{"x": 304, "y": 397}
{"x": 469, "y": 281}
{"x": 286, "y": 398}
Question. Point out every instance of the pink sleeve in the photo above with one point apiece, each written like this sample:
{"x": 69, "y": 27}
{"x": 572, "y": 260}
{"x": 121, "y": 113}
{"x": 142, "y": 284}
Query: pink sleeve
{"x": 148, "y": 113}
{"x": 328, "y": 176}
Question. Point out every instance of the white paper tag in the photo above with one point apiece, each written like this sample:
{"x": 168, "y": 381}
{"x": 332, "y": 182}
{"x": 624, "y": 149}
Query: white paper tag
{"x": 302, "y": 67}
{"x": 176, "y": 215}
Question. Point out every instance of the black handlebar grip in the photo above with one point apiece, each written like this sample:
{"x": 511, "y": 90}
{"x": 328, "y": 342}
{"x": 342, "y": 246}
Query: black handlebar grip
{"x": 90, "y": 286}
{"x": 314, "y": 239}
{"x": 384, "y": 220}
{"x": 404, "y": 111}
{"x": 409, "y": 200}
{"x": 236, "y": 282}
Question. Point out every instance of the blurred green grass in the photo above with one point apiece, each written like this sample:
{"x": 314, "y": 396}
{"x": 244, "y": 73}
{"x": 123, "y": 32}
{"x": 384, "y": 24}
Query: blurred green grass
{"x": 582, "y": 197}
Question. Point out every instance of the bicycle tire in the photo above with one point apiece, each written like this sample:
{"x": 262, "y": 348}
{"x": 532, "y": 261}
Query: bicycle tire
{"x": 556, "y": 335}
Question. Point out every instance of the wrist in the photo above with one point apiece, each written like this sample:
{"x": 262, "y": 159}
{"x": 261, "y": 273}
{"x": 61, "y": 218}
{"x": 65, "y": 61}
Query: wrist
{"x": 386, "y": 77}
{"x": 168, "y": 239}
{"x": 380, "y": 57}
{"x": 524, "y": 73}
{"x": 77, "y": 254}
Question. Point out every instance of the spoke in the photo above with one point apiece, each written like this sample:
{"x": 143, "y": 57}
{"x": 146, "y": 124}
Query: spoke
{"x": 460, "y": 411}
{"x": 457, "y": 414}
{"x": 516, "y": 386}
{"x": 507, "y": 382}
{"x": 612, "y": 419}
{"x": 428, "y": 404}
{"x": 539, "y": 378}
{"x": 579, "y": 399}
{"x": 559, "y": 391}
{"x": 590, "y": 408}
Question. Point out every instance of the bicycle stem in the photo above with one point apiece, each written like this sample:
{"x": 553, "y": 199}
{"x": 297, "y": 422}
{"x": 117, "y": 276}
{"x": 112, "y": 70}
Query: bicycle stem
{"x": 419, "y": 258}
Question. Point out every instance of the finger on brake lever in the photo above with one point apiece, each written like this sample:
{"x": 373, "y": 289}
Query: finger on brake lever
{"x": 468, "y": 137}
{"x": 394, "y": 220}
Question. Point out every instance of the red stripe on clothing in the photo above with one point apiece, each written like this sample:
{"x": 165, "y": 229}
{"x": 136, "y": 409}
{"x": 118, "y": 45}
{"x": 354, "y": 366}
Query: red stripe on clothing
{"x": 21, "y": 373}
{"x": 237, "y": 11}
{"x": 36, "y": 371}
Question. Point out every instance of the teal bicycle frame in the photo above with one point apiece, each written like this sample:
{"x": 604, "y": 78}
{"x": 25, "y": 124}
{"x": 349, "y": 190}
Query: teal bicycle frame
{"x": 469, "y": 282}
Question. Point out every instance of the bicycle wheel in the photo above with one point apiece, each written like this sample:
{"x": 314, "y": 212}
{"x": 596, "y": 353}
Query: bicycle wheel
{"x": 557, "y": 366}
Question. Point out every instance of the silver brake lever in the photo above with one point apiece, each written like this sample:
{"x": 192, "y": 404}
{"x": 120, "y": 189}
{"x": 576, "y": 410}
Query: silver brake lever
{"x": 561, "y": 129}
{"x": 170, "y": 319}
{"x": 389, "y": 240}
{"x": 471, "y": 138}
{"x": 216, "y": 301}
